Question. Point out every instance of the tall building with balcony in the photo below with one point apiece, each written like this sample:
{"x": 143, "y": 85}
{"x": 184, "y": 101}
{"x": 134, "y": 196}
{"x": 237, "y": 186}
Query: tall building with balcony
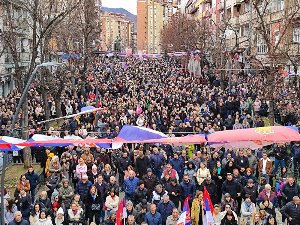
{"x": 116, "y": 26}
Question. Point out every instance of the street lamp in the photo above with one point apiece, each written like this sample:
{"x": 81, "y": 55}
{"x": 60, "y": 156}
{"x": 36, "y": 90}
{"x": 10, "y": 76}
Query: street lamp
{"x": 12, "y": 126}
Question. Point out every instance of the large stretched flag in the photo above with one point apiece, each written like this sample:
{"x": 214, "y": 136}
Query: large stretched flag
{"x": 185, "y": 218}
{"x": 207, "y": 209}
{"x": 121, "y": 213}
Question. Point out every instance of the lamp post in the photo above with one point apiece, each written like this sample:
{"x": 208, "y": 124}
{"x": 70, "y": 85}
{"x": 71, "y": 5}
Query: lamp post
{"x": 12, "y": 127}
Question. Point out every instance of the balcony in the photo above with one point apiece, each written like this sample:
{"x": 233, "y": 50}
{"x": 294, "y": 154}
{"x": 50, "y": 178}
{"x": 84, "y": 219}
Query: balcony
{"x": 244, "y": 18}
{"x": 234, "y": 21}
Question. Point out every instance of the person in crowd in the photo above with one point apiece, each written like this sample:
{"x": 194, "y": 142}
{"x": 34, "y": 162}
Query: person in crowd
{"x": 177, "y": 165}
{"x": 212, "y": 189}
{"x": 251, "y": 190}
{"x": 291, "y": 211}
{"x": 60, "y": 219}
{"x": 256, "y": 219}
{"x": 87, "y": 155}
{"x": 228, "y": 200}
{"x": 289, "y": 190}
{"x": 295, "y": 153}
{"x": 18, "y": 220}
{"x": 165, "y": 207}
{"x": 153, "y": 217}
{"x": 173, "y": 218}
{"x": 130, "y": 185}
{"x": 241, "y": 162}
{"x": 252, "y": 159}
{"x": 197, "y": 208}
{"x": 112, "y": 201}
{"x": 280, "y": 152}
{"x": 157, "y": 161}
{"x": 43, "y": 219}
{"x": 111, "y": 219}
{"x": 55, "y": 192}
{"x": 169, "y": 170}
{"x": 130, "y": 210}
{"x": 165, "y": 180}
{"x": 54, "y": 167}
{"x": 23, "y": 183}
{"x": 265, "y": 167}
{"x": 67, "y": 192}
{"x": 188, "y": 190}
{"x": 129, "y": 168}
{"x": 229, "y": 167}
{"x": 81, "y": 168}
{"x": 140, "y": 193}
{"x": 21, "y": 197}
{"x": 9, "y": 211}
{"x": 174, "y": 191}
{"x": 202, "y": 173}
{"x": 212, "y": 161}
{"x": 232, "y": 187}
{"x": 75, "y": 214}
{"x": 150, "y": 181}
{"x": 83, "y": 187}
{"x": 217, "y": 216}
{"x": 65, "y": 166}
{"x": 227, "y": 159}
{"x": 229, "y": 218}
{"x": 124, "y": 162}
{"x": 141, "y": 165}
{"x": 269, "y": 195}
{"x": 191, "y": 171}
{"x": 268, "y": 207}
{"x": 247, "y": 209}
{"x": 249, "y": 175}
{"x": 158, "y": 194}
{"x": 112, "y": 185}
{"x": 94, "y": 204}
{"x": 218, "y": 176}
{"x": 34, "y": 180}
{"x": 107, "y": 173}
{"x": 35, "y": 214}
{"x": 44, "y": 202}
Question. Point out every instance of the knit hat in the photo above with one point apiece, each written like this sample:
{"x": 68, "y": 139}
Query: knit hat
{"x": 149, "y": 170}
{"x": 144, "y": 203}
{"x": 60, "y": 211}
{"x": 141, "y": 182}
{"x": 50, "y": 155}
{"x": 113, "y": 212}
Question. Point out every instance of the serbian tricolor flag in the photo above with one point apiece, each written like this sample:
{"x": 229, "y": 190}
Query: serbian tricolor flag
{"x": 121, "y": 213}
{"x": 124, "y": 65}
{"x": 185, "y": 218}
{"x": 207, "y": 209}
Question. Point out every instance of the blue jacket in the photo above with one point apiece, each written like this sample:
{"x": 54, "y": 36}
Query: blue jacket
{"x": 23, "y": 222}
{"x": 130, "y": 185}
{"x": 295, "y": 152}
{"x": 156, "y": 161}
{"x": 83, "y": 189}
{"x": 33, "y": 178}
{"x": 177, "y": 165}
{"x": 246, "y": 178}
{"x": 165, "y": 209}
{"x": 149, "y": 218}
{"x": 188, "y": 190}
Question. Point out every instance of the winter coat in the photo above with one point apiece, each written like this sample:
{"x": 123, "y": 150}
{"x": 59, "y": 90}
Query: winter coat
{"x": 81, "y": 170}
{"x": 288, "y": 191}
{"x": 157, "y": 197}
{"x": 252, "y": 191}
{"x": 139, "y": 195}
{"x": 44, "y": 203}
{"x": 115, "y": 156}
{"x": 124, "y": 163}
{"x": 9, "y": 215}
{"x": 33, "y": 178}
{"x": 269, "y": 166}
{"x": 190, "y": 172}
{"x": 150, "y": 182}
{"x": 262, "y": 196}
{"x": 77, "y": 218}
{"x": 212, "y": 189}
{"x": 195, "y": 211}
{"x": 65, "y": 171}
{"x": 112, "y": 186}
{"x": 22, "y": 222}
{"x": 87, "y": 157}
{"x": 154, "y": 219}
{"x": 225, "y": 221}
{"x": 177, "y": 165}
{"x": 141, "y": 165}
{"x": 245, "y": 215}
{"x": 290, "y": 210}
{"x": 90, "y": 201}
{"x": 282, "y": 151}
{"x": 270, "y": 210}
{"x": 67, "y": 194}
{"x": 171, "y": 220}
{"x": 239, "y": 164}
{"x": 165, "y": 209}
{"x": 202, "y": 174}
{"x": 83, "y": 188}
{"x": 130, "y": 185}
{"x": 112, "y": 203}
{"x": 211, "y": 164}
{"x": 231, "y": 202}
{"x": 231, "y": 187}
{"x": 295, "y": 152}
{"x": 188, "y": 190}
{"x": 33, "y": 219}
{"x": 25, "y": 186}
{"x": 177, "y": 189}
{"x": 157, "y": 160}
{"x": 245, "y": 179}
{"x": 45, "y": 221}
{"x": 106, "y": 176}
{"x": 252, "y": 162}
{"x": 52, "y": 169}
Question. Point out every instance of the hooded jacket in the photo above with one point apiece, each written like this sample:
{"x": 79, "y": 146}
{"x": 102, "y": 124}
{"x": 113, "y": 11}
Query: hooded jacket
{"x": 66, "y": 193}
{"x": 139, "y": 195}
{"x": 289, "y": 191}
{"x": 33, "y": 178}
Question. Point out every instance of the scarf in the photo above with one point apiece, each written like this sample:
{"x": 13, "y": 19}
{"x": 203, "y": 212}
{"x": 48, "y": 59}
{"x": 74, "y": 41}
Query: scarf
{"x": 55, "y": 165}
{"x": 74, "y": 212}
{"x": 94, "y": 173}
{"x": 93, "y": 195}
{"x": 219, "y": 170}
{"x": 248, "y": 205}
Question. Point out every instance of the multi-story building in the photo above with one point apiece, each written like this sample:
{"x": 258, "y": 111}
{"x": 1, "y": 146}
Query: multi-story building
{"x": 151, "y": 16}
{"x": 116, "y": 26}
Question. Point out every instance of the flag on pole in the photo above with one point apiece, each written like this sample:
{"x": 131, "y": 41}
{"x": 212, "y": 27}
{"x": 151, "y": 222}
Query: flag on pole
{"x": 124, "y": 65}
{"x": 121, "y": 213}
{"x": 207, "y": 209}
{"x": 185, "y": 218}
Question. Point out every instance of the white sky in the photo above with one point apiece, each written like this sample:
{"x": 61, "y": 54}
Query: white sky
{"x": 129, "y": 5}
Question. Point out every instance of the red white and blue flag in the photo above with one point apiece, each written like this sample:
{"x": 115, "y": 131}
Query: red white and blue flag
{"x": 185, "y": 218}
{"x": 207, "y": 209}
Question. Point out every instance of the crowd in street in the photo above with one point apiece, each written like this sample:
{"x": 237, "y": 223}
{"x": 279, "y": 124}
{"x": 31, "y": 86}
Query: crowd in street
{"x": 82, "y": 185}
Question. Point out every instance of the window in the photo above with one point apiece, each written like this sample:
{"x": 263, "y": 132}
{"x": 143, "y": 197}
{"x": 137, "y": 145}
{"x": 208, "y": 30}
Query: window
{"x": 247, "y": 7}
{"x": 280, "y": 5}
{"x": 296, "y": 35}
{"x": 261, "y": 46}
{"x": 246, "y": 30}
{"x": 276, "y": 36}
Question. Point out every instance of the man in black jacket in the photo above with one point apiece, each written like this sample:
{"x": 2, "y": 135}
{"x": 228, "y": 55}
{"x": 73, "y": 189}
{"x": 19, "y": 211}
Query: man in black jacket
{"x": 174, "y": 191}
{"x": 241, "y": 162}
{"x": 289, "y": 190}
{"x": 280, "y": 152}
{"x": 232, "y": 187}
{"x": 211, "y": 188}
{"x": 140, "y": 193}
{"x": 141, "y": 165}
{"x": 123, "y": 163}
{"x": 292, "y": 211}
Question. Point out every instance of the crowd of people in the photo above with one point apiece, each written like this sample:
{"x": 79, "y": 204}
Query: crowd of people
{"x": 83, "y": 184}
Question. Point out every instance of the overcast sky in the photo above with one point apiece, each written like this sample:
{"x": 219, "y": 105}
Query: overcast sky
{"x": 129, "y": 5}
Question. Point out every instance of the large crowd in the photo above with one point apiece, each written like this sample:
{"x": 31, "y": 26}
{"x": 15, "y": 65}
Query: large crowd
{"x": 83, "y": 185}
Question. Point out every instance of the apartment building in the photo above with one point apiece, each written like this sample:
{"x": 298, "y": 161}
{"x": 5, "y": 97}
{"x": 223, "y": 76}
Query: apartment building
{"x": 116, "y": 26}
